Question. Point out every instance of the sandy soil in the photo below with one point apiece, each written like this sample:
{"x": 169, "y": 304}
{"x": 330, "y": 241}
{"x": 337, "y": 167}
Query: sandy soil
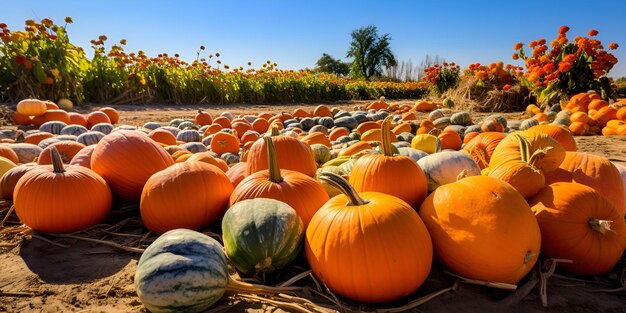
{"x": 39, "y": 276}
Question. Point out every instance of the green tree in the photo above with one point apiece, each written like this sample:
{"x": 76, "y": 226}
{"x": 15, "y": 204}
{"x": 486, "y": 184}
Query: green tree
{"x": 370, "y": 52}
{"x": 328, "y": 64}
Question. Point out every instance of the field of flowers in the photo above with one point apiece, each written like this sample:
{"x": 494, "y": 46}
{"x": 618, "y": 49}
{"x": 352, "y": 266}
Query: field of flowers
{"x": 41, "y": 62}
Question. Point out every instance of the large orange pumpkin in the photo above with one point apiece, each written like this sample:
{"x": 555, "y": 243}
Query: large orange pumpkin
{"x": 303, "y": 193}
{"x": 126, "y": 159}
{"x": 225, "y": 143}
{"x": 237, "y": 173}
{"x": 561, "y": 134}
{"x": 381, "y": 173}
{"x": 170, "y": 198}
{"x": 55, "y": 199}
{"x": 594, "y": 171}
{"x": 369, "y": 247}
{"x": 510, "y": 149}
{"x": 579, "y": 224}
{"x": 482, "y": 228}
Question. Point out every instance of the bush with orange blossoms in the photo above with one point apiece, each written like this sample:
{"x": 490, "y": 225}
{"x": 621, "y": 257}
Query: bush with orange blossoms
{"x": 441, "y": 77}
{"x": 562, "y": 68}
{"x": 496, "y": 74}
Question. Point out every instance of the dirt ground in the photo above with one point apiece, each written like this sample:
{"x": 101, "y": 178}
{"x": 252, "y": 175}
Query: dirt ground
{"x": 42, "y": 273}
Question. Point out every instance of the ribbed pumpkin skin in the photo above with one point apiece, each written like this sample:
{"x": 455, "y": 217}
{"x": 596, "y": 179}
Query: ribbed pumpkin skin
{"x": 126, "y": 159}
{"x": 509, "y": 150}
{"x": 181, "y": 271}
{"x": 83, "y": 157}
{"x": 261, "y": 235}
{"x": 560, "y": 134}
{"x": 593, "y": 171}
{"x": 444, "y": 167}
{"x": 393, "y": 175}
{"x": 481, "y": 147}
{"x": 67, "y": 150}
{"x": 236, "y": 173}
{"x": 171, "y": 198}
{"x": 372, "y": 253}
{"x": 292, "y": 155}
{"x": 564, "y": 211}
{"x": 9, "y": 179}
{"x": 303, "y": 193}
{"x": 527, "y": 179}
{"x": 61, "y": 202}
{"x": 482, "y": 228}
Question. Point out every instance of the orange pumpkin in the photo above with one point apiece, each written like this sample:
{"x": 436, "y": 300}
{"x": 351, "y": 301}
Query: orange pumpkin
{"x": 52, "y": 115}
{"x": 491, "y": 125}
{"x": 7, "y": 152}
{"x": 449, "y": 139}
{"x": 97, "y": 117}
{"x": 237, "y": 173}
{"x": 126, "y": 159}
{"x": 249, "y": 136}
{"x": 580, "y": 117}
{"x": 202, "y": 118}
{"x": 338, "y": 132}
{"x": 173, "y": 191}
{"x": 594, "y": 171}
{"x": 163, "y": 136}
{"x": 365, "y": 126}
{"x": 481, "y": 148}
{"x": 510, "y": 149}
{"x": 322, "y": 111}
{"x": 31, "y": 107}
{"x": 212, "y": 129}
{"x": 597, "y": 104}
{"x": 67, "y": 149}
{"x": 21, "y": 119}
{"x": 424, "y": 106}
{"x": 483, "y": 229}
{"x": 9, "y": 180}
{"x": 621, "y": 114}
{"x": 579, "y": 128}
{"x": 77, "y": 119}
{"x": 560, "y": 134}
{"x": 316, "y": 137}
{"x": 206, "y": 157}
{"x": 260, "y": 125}
{"x": 401, "y": 128}
{"x": 579, "y": 224}
{"x": 604, "y": 115}
{"x": 225, "y": 143}
{"x": 375, "y": 172}
{"x": 241, "y": 127}
{"x": 55, "y": 199}
{"x": 113, "y": 114}
{"x": 292, "y": 155}
{"x": 301, "y": 113}
{"x": 377, "y": 240}
{"x": 284, "y": 185}
{"x": 222, "y": 121}
{"x": 83, "y": 157}
{"x": 36, "y": 138}
{"x": 354, "y": 149}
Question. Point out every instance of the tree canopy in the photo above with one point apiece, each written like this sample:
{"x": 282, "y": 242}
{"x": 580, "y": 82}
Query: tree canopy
{"x": 328, "y": 64}
{"x": 370, "y": 52}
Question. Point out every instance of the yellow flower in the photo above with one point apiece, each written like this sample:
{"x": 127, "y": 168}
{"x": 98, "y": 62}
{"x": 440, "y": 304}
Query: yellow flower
{"x": 55, "y": 73}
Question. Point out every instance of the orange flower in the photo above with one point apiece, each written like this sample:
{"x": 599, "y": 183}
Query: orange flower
{"x": 507, "y": 87}
{"x": 593, "y": 32}
{"x": 518, "y": 46}
{"x": 69, "y": 20}
{"x": 548, "y": 68}
{"x": 563, "y": 29}
{"x": 564, "y": 67}
{"x": 569, "y": 58}
{"x": 613, "y": 46}
{"x": 515, "y": 56}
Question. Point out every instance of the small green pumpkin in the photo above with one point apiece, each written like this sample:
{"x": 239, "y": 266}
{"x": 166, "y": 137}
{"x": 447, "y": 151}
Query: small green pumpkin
{"x": 321, "y": 152}
{"x": 461, "y": 118}
{"x": 261, "y": 236}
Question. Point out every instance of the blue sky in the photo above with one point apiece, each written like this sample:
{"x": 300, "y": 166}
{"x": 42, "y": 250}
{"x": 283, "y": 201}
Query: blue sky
{"x": 294, "y": 34}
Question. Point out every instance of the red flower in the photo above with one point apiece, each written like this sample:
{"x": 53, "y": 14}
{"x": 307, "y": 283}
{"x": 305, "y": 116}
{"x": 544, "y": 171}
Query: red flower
{"x": 613, "y": 46}
{"x": 507, "y": 87}
{"x": 20, "y": 59}
{"x": 564, "y": 67}
{"x": 515, "y": 56}
{"x": 593, "y": 32}
{"x": 518, "y": 46}
{"x": 3, "y": 25}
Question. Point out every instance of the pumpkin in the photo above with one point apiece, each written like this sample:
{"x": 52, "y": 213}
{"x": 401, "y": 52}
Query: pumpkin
{"x": 104, "y": 128}
{"x": 5, "y": 165}
{"x": 21, "y": 119}
{"x": 321, "y": 153}
{"x": 75, "y": 130}
{"x": 9, "y": 179}
{"x": 97, "y": 117}
{"x": 292, "y": 155}
{"x": 66, "y": 149}
{"x": 8, "y": 153}
{"x": 163, "y": 199}
{"x": 322, "y": 111}
{"x": 77, "y": 119}
{"x": 483, "y": 229}
{"x": 188, "y": 135}
{"x": 377, "y": 240}
{"x": 126, "y": 159}
{"x": 51, "y": 116}
{"x": 113, "y": 114}
{"x": 261, "y": 236}
{"x": 65, "y": 104}
{"x": 560, "y": 134}
{"x": 450, "y": 140}
{"x": 206, "y": 157}
{"x": 316, "y": 138}
{"x": 509, "y": 149}
{"x": 492, "y": 125}
{"x": 223, "y": 142}
{"x": 83, "y": 157}
{"x": 90, "y": 138}
{"x": 202, "y": 118}
{"x": 481, "y": 148}
{"x": 31, "y": 107}
{"x": 55, "y": 199}
{"x": 579, "y": 224}
{"x": 355, "y": 148}
{"x": 53, "y": 127}
{"x": 594, "y": 171}
{"x": 522, "y": 174}
{"x": 280, "y": 184}
{"x": 236, "y": 173}
{"x": 426, "y": 142}
{"x": 381, "y": 172}
{"x": 445, "y": 167}
{"x": 26, "y": 152}
{"x": 163, "y": 136}
{"x": 461, "y": 118}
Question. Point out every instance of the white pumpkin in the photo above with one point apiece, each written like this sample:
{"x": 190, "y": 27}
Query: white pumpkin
{"x": 444, "y": 167}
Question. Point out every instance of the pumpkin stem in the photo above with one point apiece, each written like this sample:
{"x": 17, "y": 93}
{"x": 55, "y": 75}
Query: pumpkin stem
{"x": 19, "y": 136}
{"x": 464, "y": 173}
{"x": 386, "y": 136}
{"x": 601, "y": 226}
{"x": 538, "y": 156}
{"x": 272, "y": 160}
{"x": 273, "y": 131}
{"x": 437, "y": 145}
{"x": 57, "y": 163}
{"x": 344, "y": 186}
{"x": 524, "y": 147}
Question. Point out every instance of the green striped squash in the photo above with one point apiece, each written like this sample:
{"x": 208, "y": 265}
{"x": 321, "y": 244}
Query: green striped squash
{"x": 261, "y": 236}
{"x": 321, "y": 153}
{"x": 461, "y": 118}
{"x": 183, "y": 270}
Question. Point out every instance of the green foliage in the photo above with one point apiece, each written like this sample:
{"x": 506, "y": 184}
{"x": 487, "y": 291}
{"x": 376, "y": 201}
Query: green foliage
{"x": 328, "y": 64}
{"x": 370, "y": 52}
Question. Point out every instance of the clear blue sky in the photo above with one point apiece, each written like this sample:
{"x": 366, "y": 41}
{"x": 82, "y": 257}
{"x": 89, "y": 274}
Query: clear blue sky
{"x": 294, "y": 34}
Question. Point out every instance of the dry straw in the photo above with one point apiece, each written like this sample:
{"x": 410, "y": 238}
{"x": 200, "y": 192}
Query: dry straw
{"x": 473, "y": 97}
